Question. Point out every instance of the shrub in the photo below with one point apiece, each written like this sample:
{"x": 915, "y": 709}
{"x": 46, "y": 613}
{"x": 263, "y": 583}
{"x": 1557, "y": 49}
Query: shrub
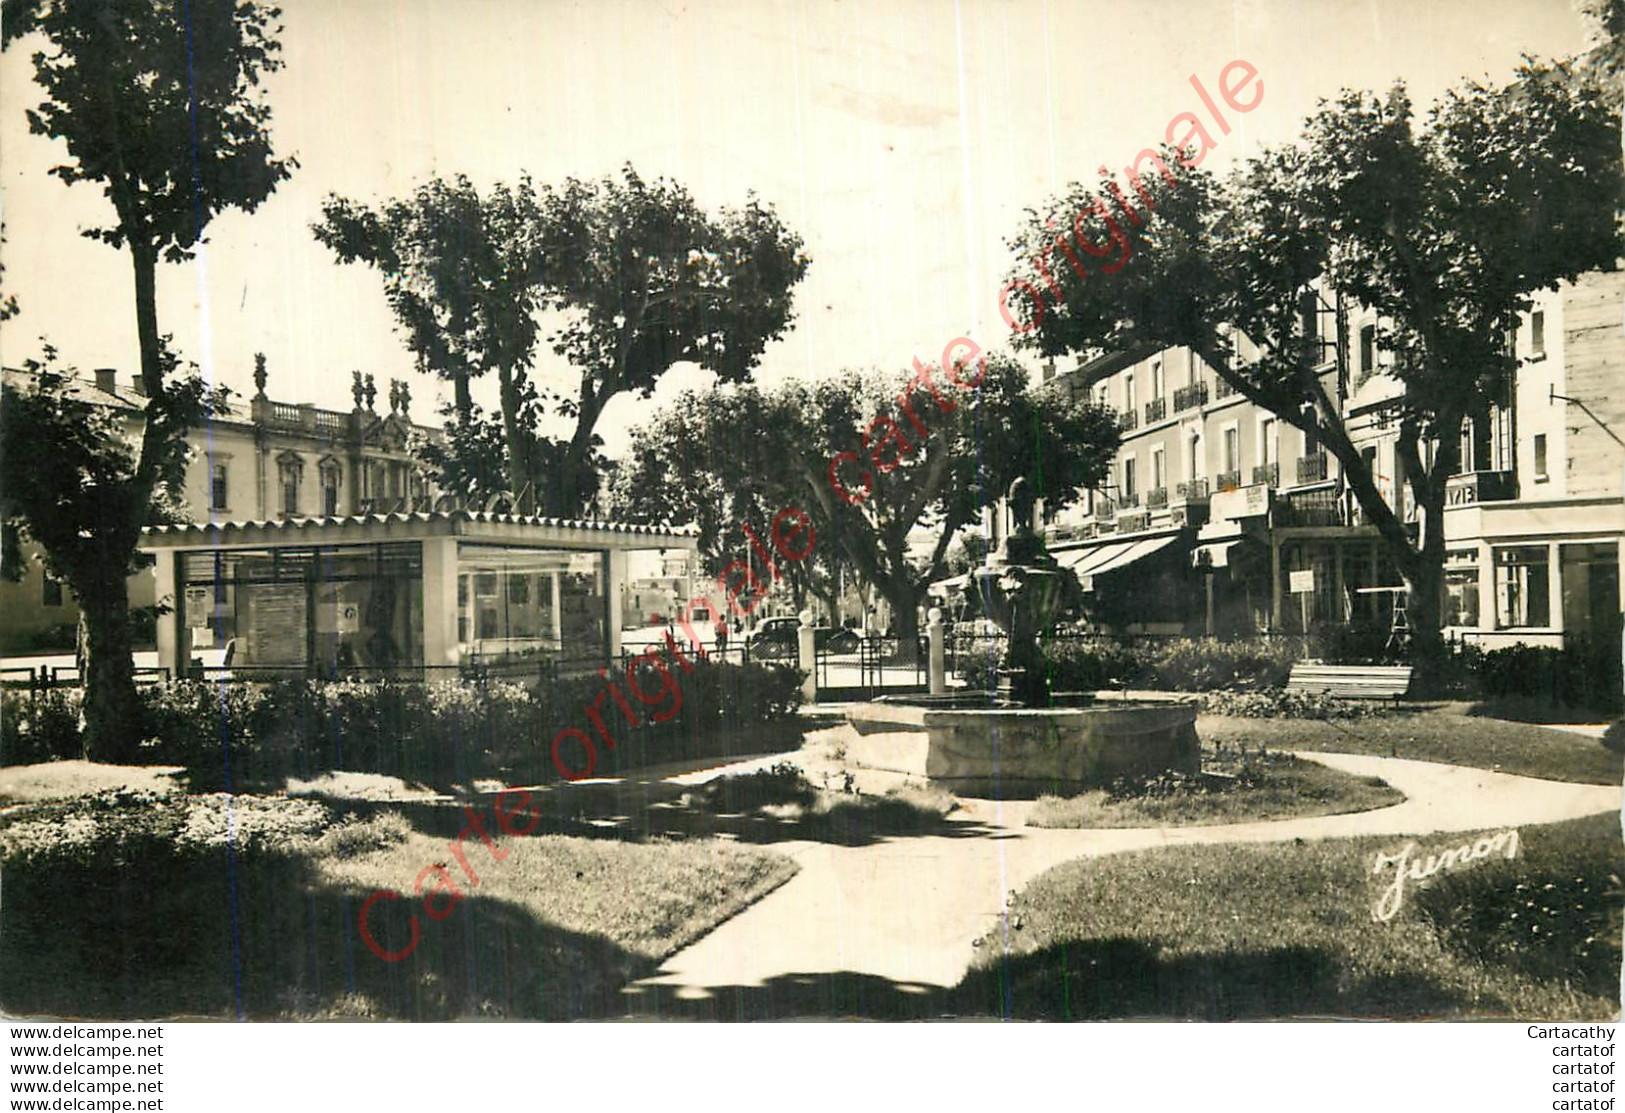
{"x": 1279, "y": 703}
{"x": 1581, "y": 675}
{"x": 39, "y": 726}
{"x": 1178, "y": 664}
{"x": 142, "y": 875}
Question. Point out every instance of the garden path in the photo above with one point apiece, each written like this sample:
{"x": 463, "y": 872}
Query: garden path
{"x": 908, "y": 909}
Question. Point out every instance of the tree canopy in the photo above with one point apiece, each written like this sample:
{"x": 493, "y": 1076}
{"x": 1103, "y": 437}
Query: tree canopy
{"x": 889, "y": 469}
{"x": 636, "y": 274}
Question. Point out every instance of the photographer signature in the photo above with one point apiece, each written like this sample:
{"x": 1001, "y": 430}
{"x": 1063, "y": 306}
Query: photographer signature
{"x": 1504, "y": 843}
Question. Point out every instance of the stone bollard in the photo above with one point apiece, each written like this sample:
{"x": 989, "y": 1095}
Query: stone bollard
{"x": 938, "y": 671}
{"x": 807, "y": 657}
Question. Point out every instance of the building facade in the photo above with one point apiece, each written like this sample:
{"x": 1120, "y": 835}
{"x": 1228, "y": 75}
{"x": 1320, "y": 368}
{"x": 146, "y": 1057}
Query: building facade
{"x": 265, "y": 460}
{"x": 1221, "y": 517}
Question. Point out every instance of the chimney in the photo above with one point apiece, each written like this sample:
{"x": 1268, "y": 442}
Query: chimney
{"x": 138, "y": 385}
{"x": 105, "y": 379}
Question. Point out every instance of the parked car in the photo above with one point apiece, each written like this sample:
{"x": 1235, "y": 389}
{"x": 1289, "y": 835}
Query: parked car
{"x": 779, "y": 638}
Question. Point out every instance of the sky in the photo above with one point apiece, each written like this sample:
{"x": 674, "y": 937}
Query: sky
{"x": 902, "y": 141}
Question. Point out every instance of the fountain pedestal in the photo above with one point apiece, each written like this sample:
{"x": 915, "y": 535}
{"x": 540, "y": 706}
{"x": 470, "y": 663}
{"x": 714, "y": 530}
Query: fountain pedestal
{"x": 1025, "y": 739}
{"x": 963, "y": 744}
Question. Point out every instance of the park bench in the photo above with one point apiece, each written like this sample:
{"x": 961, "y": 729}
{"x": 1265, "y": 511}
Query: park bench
{"x": 1351, "y": 681}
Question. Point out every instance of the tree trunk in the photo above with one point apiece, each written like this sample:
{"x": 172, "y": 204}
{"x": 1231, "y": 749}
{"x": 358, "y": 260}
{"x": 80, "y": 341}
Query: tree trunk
{"x": 112, "y": 707}
{"x": 464, "y": 397}
{"x": 519, "y": 478}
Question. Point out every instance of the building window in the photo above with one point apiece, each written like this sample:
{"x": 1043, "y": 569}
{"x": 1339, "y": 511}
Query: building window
{"x": 1129, "y": 488}
{"x": 1522, "y": 587}
{"x": 1193, "y": 457}
{"x": 218, "y": 488}
{"x": 1537, "y": 334}
{"x": 1232, "y": 448}
{"x": 332, "y": 477}
{"x": 1368, "y": 350}
{"x": 51, "y": 591}
{"x": 1540, "y": 458}
{"x": 1129, "y": 394}
{"x": 1159, "y": 468}
{"x": 290, "y": 474}
{"x": 1156, "y": 379}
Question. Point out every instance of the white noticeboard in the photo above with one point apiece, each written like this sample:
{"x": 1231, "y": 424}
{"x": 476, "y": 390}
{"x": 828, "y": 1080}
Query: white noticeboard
{"x": 1301, "y": 581}
{"x": 198, "y": 606}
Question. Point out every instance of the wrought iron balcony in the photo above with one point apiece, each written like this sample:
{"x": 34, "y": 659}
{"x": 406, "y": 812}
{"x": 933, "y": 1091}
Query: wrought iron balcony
{"x": 1156, "y": 498}
{"x": 1156, "y": 410}
{"x": 1192, "y": 490}
{"x": 1311, "y": 508}
{"x": 1128, "y": 499}
{"x": 1228, "y": 480}
{"x": 1105, "y": 510}
{"x": 1189, "y": 397}
{"x": 1313, "y": 468}
{"x": 1222, "y": 389}
{"x": 1267, "y": 473}
{"x": 1128, "y": 419}
{"x": 1475, "y": 487}
{"x": 1134, "y": 523}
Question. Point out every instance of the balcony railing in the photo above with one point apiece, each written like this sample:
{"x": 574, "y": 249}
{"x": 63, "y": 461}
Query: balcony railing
{"x": 1128, "y": 419}
{"x": 1128, "y": 499}
{"x": 1311, "y": 508}
{"x": 1156, "y": 498}
{"x": 1267, "y": 473}
{"x": 1192, "y": 490}
{"x": 1222, "y": 389}
{"x": 1312, "y": 469}
{"x": 1228, "y": 480}
{"x": 1189, "y": 397}
{"x": 1156, "y": 410}
{"x": 1105, "y": 510}
{"x": 1134, "y": 523}
{"x": 1475, "y": 487}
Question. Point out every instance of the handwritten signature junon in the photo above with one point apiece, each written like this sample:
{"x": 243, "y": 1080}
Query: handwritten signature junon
{"x": 1407, "y": 865}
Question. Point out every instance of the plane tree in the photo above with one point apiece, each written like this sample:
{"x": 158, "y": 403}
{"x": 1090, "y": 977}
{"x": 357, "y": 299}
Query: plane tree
{"x": 1445, "y": 227}
{"x": 161, "y": 104}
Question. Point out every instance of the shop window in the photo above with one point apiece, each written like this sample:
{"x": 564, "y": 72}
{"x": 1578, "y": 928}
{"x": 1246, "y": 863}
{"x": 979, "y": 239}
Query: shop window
{"x": 1522, "y": 587}
{"x": 1590, "y": 589}
{"x": 1461, "y": 590}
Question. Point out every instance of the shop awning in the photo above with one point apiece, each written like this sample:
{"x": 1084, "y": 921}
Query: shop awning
{"x": 1139, "y": 550}
{"x": 1112, "y": 557}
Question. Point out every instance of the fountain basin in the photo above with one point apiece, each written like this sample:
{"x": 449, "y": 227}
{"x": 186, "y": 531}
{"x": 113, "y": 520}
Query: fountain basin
{"x": 980, "y": 748}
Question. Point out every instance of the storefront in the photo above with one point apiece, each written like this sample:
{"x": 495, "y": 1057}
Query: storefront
{"x": 396, "y": 594}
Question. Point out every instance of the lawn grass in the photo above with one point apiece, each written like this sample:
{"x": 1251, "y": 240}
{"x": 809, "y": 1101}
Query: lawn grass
{"x": 1250, "y": 931}
{"x": 1268, "y": 785}
{"x": 1432, "y": 732}
{"x": 126, "y": 907}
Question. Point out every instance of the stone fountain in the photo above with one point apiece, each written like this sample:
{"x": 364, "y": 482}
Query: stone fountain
{"x": 1023, "y": 738}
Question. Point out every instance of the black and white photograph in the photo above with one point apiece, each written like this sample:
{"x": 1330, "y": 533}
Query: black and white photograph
{"x": 941, "y": 513}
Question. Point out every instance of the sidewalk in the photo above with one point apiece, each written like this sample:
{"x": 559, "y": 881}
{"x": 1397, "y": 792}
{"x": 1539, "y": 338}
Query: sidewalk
{"x": 907, "y": 910}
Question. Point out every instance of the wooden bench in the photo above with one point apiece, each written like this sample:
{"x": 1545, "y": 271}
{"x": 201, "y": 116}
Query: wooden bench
{"x": 1351, "y": 681}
